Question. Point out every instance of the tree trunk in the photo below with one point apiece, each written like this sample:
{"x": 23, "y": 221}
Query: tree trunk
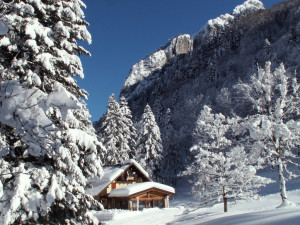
{"x": 225, "y": 204}
{"x": 224, "y": 200}
{"x": 282, "y": 182}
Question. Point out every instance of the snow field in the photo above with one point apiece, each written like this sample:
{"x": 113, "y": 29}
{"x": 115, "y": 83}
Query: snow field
{"x": 184, "y": 211}
{"x": 244, "y": 212}
{"x": 146, "y": 217}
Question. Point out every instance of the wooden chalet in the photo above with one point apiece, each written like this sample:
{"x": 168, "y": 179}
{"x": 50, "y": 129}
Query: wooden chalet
{"x": 128, "y": 186}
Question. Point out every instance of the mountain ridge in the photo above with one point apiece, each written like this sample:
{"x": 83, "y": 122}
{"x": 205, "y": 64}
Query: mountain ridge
{"x": 187, "y": 73}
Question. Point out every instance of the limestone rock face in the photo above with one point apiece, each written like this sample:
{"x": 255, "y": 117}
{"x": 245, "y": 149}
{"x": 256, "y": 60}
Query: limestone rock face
{"x": 145, "y": 67}
{"x": 182, "y": 44}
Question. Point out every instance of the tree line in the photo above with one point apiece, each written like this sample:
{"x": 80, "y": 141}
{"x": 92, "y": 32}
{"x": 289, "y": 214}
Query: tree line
{"x": 123, "y": 140}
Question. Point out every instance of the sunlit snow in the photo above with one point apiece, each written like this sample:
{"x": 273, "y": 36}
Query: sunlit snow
{"x": 185, "y": 211}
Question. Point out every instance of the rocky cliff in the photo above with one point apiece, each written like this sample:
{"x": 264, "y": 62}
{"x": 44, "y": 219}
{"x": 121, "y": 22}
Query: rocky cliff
{"x": 178, "y": 79}
{"x": 157, "y": 60}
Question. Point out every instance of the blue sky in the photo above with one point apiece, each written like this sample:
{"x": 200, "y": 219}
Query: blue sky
{"x": 125, "y": 31}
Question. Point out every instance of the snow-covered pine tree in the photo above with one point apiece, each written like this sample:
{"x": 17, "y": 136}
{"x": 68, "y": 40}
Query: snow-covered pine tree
{"x": 130, "y": 130}
{"x": 113, "y": 133}
{"x": 149, "y": 144}
{"x": 48, "y": 145}
{"x": 220, "y": 171}
{"x": 275, "y": 127}
{"x": 211, "y": 129}
{"x": 219, "y": 176}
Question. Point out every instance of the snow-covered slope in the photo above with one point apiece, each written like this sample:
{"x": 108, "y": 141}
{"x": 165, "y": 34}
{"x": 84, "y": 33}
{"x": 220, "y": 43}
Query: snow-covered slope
{"x": 263, "y": 211}
{"x": 188, "y": 73}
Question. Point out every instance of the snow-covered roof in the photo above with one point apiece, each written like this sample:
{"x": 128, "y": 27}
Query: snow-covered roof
{"x": 110, "y": 174}
{"x": 139, "y": 187}
{"x": 132, "y": 161}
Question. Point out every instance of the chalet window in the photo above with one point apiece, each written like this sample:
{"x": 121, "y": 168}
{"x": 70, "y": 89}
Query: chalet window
{"x": 117, "y": 204}
{"x": 124, "y": 204}
{"x": 121, "y": 204}
{"x": 134, "y": 205}
{"x": 142, "y": 204}
{"x": 109, "y": 204}
{"x": 130, "y": 178}
{"x": 161, "y": 204}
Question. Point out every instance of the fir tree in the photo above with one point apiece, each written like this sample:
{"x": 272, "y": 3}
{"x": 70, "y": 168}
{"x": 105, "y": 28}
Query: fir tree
{"x": 149, "y": 144}
{"x": 130, "y": 130}
{"x": 48, "y": 145}
{"x": 114, "y": 134}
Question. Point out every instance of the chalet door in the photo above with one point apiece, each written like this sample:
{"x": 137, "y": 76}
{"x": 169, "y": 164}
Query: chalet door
{"x": 113, "y": 185}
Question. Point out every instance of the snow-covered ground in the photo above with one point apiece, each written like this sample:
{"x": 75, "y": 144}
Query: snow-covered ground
{"x": 186, "y": 211}
{"x": 263, "y": 211}
{"x": 145, "y": 217}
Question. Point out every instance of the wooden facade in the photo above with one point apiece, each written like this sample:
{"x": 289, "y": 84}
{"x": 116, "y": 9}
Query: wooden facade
{"x": 146, "y": 199}
{"x": 132, "y": 176}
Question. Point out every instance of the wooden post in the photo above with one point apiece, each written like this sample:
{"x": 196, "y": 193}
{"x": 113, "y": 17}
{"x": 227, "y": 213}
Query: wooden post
{"x": 137, "y": 204}
{"x": 167, "y": 201}
{"x": 130, "y": 204}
